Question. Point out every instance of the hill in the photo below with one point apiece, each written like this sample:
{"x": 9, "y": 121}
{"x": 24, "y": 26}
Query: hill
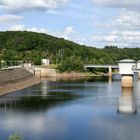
{"x": 31, "y": 46}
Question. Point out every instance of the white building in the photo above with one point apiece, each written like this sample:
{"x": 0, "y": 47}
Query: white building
{"x": 126, "y": 66}
{"x": 45, "y": 62}
{"x": 138, "y": 64}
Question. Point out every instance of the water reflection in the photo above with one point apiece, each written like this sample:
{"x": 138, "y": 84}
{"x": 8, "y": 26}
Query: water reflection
{"x": 110, "y": 80}
{"x": 44, "y": 88}
{"x": 66, "y": 110}
{"x": 126, "y": 102}
{"x": 42, "y": 96}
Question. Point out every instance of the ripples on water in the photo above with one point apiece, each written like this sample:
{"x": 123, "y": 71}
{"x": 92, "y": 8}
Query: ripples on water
{"x": 71, "y": 110}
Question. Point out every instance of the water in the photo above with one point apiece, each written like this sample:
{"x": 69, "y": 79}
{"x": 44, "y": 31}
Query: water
{"x": 71, "y": 110}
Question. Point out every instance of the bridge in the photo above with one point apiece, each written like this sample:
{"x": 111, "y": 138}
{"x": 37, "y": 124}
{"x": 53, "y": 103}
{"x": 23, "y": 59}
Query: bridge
{"x": 102, "y": 66}
{"x": 136, "y": 69}
{"x": 109, "y": 67}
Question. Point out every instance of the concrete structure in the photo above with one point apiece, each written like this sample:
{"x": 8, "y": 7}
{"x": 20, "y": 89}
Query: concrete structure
{"x": 109, "y": 67}
{"x": 126, "y": 102}
{"x": 45, "y": 62}
{"x": 126, "y": 67}
{"x": 138, "y": 67}
{"x": 45, "y": 72}
{"x": 10, "y": 75}
{"x": 27, "y": 64}
{"x": 29, "y": 67}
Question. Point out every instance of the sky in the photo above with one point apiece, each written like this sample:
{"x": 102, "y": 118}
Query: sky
{"x": 94, "y": 23}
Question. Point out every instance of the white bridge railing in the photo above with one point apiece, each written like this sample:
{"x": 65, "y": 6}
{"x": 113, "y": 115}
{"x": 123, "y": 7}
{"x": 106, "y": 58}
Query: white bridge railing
{"x": 101, "y": 66}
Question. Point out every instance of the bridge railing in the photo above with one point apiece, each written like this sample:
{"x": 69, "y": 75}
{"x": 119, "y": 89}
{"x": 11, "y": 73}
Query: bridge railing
{"x": 100, "y": 66}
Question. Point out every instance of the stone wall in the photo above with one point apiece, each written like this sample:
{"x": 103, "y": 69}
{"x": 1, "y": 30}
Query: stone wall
{"x": 7, "y": 76}
{"x": 44, "y": 72}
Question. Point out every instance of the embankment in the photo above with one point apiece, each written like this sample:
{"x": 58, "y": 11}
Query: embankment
{"x": 54, "y": 73}
{"x": 16, "y": 79}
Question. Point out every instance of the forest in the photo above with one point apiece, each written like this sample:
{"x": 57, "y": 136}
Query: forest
{"x": 67, "y": 55}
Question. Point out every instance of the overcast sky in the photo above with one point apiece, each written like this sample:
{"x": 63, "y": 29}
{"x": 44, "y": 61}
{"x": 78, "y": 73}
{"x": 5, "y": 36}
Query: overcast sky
{"x": 90, "y": 22}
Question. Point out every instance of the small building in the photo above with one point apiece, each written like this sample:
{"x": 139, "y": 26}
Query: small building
{"x": 126, "y": 66}
{"x": 138, "y": 64}
{"x": 45, "y": 62}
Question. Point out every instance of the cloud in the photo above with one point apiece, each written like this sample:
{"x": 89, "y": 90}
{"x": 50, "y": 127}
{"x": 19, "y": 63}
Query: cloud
{"x": 68, "y": 31}
{"x": 121, "y": 30}
{"x": 126, "y": 20}
{"x": 118, "y": 4}
{"x": 23, "y": 27}
{"x": 16, "y": 6}
{"x": 121, "y": 39}
{"x": 9, "y": 18}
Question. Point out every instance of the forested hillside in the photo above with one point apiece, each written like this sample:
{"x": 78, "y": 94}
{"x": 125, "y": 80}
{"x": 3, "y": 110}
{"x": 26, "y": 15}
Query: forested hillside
{"x": 30, "y": 46}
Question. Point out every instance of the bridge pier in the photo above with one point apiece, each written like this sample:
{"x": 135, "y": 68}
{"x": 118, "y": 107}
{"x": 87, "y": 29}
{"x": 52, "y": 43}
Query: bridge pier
{"x": 109, "y": 72}
{"x": 127, "y": 81}
{"x": 109, "y": 67}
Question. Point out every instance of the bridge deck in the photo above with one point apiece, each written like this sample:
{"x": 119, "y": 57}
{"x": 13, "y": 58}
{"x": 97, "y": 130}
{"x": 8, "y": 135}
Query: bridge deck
{"x": 136, "y": 70}
{"x": 101, "y": 66}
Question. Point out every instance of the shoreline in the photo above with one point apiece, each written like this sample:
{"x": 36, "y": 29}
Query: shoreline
{"x": 51, "y": 72}
{"x": 7, "y": 88}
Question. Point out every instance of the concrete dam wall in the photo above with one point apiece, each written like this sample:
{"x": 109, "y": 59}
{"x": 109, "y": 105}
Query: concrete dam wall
{"x": 45, "y": 72}
{"x": 12, "y": 75}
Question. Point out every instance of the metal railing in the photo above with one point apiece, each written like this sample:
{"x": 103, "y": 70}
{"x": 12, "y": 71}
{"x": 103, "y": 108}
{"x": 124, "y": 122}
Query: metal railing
{"x": 10, "y": 64}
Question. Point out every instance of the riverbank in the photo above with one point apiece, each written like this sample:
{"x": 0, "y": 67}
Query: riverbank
{"x": 52, "y": 72}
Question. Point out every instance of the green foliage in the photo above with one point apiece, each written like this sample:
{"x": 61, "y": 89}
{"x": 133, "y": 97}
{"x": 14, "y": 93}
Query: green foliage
{"x": 15, "y": 136}
{"x": 69, "y": 56}
{"x": 71, "y": 64}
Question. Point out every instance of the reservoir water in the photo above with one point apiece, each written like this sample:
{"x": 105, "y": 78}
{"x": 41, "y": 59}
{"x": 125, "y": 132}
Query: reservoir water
{"x": 72, "y": 110}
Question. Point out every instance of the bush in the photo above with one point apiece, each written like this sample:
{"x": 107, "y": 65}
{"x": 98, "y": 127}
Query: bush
{"x": 15, "y": 136}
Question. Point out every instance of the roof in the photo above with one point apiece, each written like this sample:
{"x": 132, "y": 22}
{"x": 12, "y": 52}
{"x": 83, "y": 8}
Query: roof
{"x": 127, "y": 61}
